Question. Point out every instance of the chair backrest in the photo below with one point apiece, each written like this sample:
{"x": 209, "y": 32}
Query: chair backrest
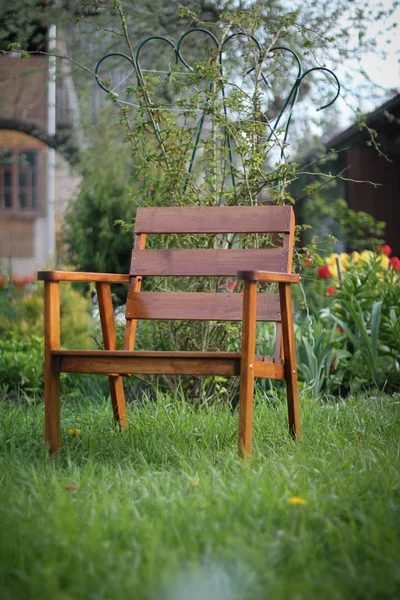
{"x": 205, "y": 262}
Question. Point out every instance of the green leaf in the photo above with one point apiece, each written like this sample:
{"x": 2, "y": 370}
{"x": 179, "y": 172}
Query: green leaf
{"x": 375, "y": 322}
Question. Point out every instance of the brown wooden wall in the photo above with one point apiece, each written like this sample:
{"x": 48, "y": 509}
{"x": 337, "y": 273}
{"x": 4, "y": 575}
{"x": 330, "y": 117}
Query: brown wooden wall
{"x": 382, "y": 202}
{"x": 23, "y": 85}
{"x": 16, "y": 238}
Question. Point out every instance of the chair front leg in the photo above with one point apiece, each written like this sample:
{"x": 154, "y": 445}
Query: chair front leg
{"x": 110, "y": 343}
{"x": 51, "y": 375}
{"x": 289, "y": 346}
{"x": 247, "y": 369}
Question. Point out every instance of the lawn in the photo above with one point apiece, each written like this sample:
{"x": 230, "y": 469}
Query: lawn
{"x": 166, "y": 511}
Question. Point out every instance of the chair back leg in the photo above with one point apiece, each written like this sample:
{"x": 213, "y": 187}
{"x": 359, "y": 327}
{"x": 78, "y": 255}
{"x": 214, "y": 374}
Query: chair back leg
{"x": 110, "y": 343}
{"x": 289, "y": 347}
{"x": 247, "y": 369}
{"x": 118, "y": 400}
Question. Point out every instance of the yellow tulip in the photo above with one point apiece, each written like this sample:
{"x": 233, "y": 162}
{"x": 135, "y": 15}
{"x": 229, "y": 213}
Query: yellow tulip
{"x": 344, "y": 260}
{"x": 331, "y": 263}
{"x": 366, "y": 256}
{"x": 383, "y": 260}
{"x": 333, "y": 271}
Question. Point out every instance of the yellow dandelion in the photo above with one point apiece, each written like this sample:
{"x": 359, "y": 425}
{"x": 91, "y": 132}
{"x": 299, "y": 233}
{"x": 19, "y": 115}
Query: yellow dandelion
{"x": 297, "y": 500}
{"x": 74, "y": 431}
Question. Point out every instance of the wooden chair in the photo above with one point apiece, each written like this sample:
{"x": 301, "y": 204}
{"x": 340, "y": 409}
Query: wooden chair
{"x": 252, "y": 266}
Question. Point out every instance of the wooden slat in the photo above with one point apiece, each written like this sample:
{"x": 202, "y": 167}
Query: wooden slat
{"x": 198, "y": 306}
{"x": 206, "y": 263}
{"x": 269, "y": 370}
{"x": 81, "y": 276}
{"x": 149, "y": 354}
{"x": 183, "y": 363}
{"x": 269, "y": 277}
{"x": 214, "y": 219}
{"x": 171, "y": 363}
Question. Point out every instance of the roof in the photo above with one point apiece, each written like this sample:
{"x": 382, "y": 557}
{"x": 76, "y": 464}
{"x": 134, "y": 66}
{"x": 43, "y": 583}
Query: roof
{"x": 391, "y": 106}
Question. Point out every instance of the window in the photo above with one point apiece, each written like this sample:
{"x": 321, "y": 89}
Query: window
{"x": 19, "y": 180}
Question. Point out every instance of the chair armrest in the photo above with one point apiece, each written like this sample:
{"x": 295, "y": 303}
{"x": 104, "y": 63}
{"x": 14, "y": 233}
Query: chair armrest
{"x": 80, "y": 276}
{"x": 269, "y": 277}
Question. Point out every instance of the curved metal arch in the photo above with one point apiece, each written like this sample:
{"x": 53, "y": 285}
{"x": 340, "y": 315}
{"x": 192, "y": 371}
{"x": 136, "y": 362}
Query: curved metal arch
{"x": 149, "y": 39}
{"x": 333, "y": 75}
{"x": 102, "y": 59}
{"x": 178, "y": 45}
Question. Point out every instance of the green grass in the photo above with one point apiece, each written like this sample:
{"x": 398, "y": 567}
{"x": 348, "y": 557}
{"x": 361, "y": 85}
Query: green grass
{"x": 165, "y": 511}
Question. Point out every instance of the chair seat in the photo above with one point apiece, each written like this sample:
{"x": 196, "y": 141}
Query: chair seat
{"x": 123, "y": 362}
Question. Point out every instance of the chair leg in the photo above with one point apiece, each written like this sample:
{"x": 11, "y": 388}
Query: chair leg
{"x": 51, "y": 376}
{"x": 247, "y": 370}
{"x": 118, "y": 400}
{"x": 110, "y": 343}
{"x": 52, "y": 410}
{"x": 289, "y": 346}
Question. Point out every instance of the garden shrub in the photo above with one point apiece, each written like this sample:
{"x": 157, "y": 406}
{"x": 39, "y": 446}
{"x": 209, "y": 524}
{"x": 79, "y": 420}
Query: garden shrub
{"x": 23, "y": 313}
{"x": 21, "y": 363}
{"x": 21, "y": 333}
{"x": 350, "y": 337}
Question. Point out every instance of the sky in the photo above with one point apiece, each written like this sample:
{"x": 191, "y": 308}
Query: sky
{"x": 383, "y": 71}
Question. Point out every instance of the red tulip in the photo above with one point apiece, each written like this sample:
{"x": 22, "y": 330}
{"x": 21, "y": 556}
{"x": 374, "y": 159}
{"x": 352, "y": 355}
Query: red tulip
{"x": 323, "y": 272}
{"x": 395, "y": 262}
{"x": 331, "y": 290}
{"x": 385, "y": 249}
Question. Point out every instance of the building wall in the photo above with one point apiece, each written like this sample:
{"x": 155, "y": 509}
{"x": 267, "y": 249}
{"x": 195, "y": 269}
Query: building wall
{"x": 23, "y": 89}
{"x": 23, "y": 96}
{"x": 23, "y": 233}
{"x": 381, "y": 202}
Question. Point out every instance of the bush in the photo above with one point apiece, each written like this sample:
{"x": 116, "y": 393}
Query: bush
{"x": 357, "y": 340}
{"x": 22, "y": 312}
{"x": 21, "y": 363}
{"x": 21, "y": 333}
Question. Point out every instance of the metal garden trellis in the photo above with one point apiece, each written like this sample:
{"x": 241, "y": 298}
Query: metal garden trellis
{"x": 288, "y": 104}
